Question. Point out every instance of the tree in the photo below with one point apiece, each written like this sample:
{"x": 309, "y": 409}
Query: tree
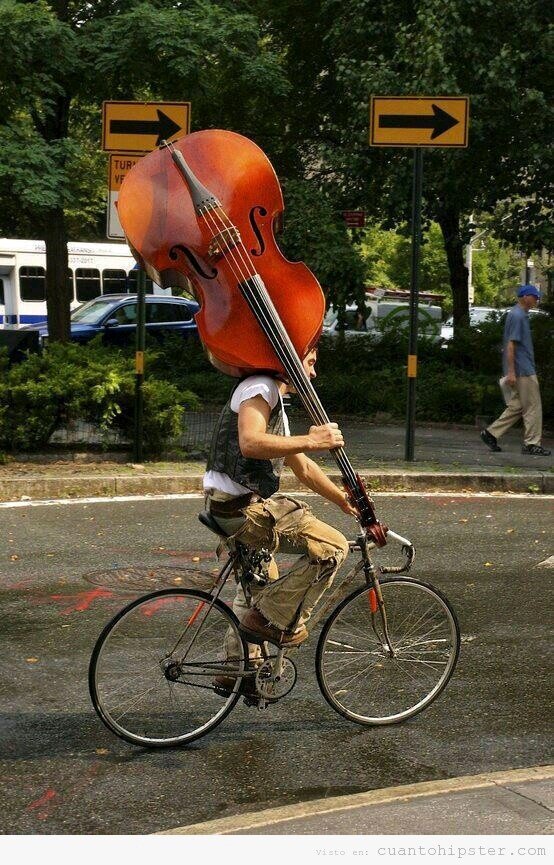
{"x": 316, "y": 234}
{"x": 60, "y": 59}
{"x": 436, "y": 47}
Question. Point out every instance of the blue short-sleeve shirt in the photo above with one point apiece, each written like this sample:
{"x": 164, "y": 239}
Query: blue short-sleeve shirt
{"x": 518, "y": 330}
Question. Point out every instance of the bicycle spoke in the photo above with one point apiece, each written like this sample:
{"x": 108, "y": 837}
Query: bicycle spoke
{"x": 142, "y": 691}
{"x": 362, "y": 679}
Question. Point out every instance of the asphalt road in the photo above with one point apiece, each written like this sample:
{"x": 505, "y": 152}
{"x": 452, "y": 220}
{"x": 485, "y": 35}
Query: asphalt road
{"x": 66, "y": 568}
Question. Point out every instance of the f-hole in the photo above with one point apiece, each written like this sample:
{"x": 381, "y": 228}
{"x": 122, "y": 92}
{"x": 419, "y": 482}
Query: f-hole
{"x": 174, "y": 256}
{"x": 263, "y": 212}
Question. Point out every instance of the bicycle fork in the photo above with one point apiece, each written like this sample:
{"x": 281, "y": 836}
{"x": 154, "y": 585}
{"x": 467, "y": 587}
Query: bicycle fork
{"x": 377, "y": 604}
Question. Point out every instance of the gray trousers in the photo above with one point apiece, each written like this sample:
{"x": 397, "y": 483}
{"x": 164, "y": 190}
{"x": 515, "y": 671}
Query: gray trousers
{"x": 525, "y": 403}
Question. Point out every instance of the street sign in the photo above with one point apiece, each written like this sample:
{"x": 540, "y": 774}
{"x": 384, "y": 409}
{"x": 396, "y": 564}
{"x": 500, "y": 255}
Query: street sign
{"x": 120, "y": 165}
{"x": 138, "y": 127}
{"x": 354, "y": 218}
{"x": 419, "y": 121}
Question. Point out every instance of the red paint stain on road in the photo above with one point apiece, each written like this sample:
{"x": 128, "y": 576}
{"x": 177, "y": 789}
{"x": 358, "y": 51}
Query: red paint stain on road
{"x": 42, "y": 804}
{"x": 23, "y": 584}
{"x": 82, "y": 600}
{"x": 154, "y": 606}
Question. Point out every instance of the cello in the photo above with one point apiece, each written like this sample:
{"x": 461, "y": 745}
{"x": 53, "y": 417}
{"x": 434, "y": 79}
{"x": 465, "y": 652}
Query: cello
{"x": 202, "y": 212}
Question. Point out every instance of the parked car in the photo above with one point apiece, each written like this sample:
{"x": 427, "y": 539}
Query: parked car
{"x": 115, "y": 317}
{"x": 380, "y": 315}
{"x": 478, "y": 315}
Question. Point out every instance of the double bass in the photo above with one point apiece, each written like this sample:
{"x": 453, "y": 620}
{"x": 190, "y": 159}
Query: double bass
{"x": 202, "y": 212}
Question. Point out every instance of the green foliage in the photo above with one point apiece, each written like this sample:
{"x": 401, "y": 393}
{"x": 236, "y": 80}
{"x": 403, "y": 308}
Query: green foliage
{"x": 387, "y": 257}
{"x": 91, "y": 383}
{"x": 316, "y": 233}
{"x": 59, "y": 61}
{"x": 183, "y": 363}
{"x": 437, "y": 47}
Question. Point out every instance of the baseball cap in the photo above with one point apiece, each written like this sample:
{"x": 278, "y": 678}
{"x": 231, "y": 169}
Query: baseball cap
{"x": 523, "y": 290}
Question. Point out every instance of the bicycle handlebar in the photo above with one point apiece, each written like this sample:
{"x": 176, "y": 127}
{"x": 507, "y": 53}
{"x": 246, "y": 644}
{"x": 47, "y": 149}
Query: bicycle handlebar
{"x": 408, "y": 550}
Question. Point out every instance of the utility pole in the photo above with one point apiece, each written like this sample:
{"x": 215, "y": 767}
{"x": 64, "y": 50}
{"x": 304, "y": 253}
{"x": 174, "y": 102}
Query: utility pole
{"x": 139, "y": 367}
{"x": 469, "y": 264}
{"x": 417, "y": 189}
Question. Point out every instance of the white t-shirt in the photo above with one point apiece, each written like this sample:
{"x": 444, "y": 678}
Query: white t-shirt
{"x": 250, "y": 387}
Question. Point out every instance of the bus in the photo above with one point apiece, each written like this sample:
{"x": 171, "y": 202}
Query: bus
{"x": 94, "y": 269}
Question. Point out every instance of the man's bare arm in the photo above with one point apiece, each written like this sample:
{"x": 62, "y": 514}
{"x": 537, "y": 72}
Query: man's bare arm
{"x": 310, "y": 474}
{"x": 256, "y": 443}
{"x": 511, "y": 362}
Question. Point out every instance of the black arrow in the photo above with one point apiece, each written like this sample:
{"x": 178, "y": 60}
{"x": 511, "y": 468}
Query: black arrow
{"x": 440, "y": 122}
{"x": 163, "y": 127}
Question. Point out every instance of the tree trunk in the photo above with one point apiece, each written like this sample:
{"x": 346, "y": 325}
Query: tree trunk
{"x": 58, "y": 292}
{"x": 449, "y": 221}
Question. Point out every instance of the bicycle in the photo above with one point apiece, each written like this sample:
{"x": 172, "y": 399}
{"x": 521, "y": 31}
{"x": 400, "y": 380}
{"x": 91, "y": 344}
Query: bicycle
{"x": 385, "y": 652}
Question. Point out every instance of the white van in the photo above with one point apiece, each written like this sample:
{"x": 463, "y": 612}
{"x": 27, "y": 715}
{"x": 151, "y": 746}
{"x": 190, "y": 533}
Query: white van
{"x": 381, "y": 314}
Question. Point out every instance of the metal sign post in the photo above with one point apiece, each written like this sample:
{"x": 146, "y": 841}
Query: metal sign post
{"x": 414, "y": 302}
{"x": 130, "y": 129}
{"x": 417, "y": 122}
{"x": 139, "y": 366}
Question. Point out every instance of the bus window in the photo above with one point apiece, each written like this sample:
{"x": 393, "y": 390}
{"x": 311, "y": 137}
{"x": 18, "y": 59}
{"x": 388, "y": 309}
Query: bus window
{"x": 133, "y": 283}
{"x": 32, "y": 283}
{"x": 88, "y": 283}
{"x": 114, "y": 282}
{"x": 2, "y": 299}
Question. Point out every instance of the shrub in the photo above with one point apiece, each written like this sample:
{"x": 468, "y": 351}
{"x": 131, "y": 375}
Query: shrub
{"x": 94, "y": 383}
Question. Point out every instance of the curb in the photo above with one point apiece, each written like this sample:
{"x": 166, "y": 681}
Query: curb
{"x": 44, "y": 487}
{"x": 405, "y": 793}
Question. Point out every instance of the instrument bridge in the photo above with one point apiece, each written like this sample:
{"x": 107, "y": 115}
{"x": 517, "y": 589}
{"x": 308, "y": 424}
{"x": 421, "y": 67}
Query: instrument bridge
{"x": 223, "y": 243}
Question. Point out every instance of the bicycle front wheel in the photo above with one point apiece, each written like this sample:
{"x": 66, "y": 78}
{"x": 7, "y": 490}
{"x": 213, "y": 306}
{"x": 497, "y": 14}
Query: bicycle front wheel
{"x": 359, "y": 676}
{"x": 152, "y": 675}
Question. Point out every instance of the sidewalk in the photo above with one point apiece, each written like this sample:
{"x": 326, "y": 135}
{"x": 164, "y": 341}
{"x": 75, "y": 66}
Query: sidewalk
{"x": 515, "y": 802}
{"x": 449, "y": 459}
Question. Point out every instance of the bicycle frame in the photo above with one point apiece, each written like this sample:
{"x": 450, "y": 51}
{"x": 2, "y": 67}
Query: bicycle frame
{"x": 371, "y": 574}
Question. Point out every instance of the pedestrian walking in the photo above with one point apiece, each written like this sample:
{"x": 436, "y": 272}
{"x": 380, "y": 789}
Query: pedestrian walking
{"x": 521, "y": 376}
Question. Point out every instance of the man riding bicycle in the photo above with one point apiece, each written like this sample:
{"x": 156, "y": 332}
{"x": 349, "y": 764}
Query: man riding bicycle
{"x": 250, "y": 445}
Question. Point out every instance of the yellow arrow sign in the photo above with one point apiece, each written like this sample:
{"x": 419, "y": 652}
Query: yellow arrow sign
{"x": 137, "y": 127}
{"x": 419, "y": 121}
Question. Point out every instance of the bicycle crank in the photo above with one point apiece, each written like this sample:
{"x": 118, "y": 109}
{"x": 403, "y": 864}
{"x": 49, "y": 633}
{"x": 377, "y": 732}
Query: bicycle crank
{"x": 272, "y": 687}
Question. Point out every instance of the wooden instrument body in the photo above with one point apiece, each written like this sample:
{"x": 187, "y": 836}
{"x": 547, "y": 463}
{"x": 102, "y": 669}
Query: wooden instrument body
{"x": 172, "y": 241}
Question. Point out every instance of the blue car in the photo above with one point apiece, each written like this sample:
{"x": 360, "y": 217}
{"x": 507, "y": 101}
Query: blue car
{"x": 115, "y": 316}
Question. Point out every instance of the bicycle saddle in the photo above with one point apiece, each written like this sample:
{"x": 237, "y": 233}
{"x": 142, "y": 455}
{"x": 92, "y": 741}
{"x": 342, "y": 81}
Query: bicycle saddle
{"x": 207, "y": 520}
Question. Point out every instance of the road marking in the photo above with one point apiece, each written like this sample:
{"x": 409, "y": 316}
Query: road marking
{"x": 548, "y": 563}
{"x": 173, "y": 496}
{"x": 99, "y": 500}
{"x": 404, "y": 793}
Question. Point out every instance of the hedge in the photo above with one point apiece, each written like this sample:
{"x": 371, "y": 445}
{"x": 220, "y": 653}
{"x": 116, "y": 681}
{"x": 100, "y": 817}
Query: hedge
{"x": 360, "y": 376}
{"x": 94, "y": 383}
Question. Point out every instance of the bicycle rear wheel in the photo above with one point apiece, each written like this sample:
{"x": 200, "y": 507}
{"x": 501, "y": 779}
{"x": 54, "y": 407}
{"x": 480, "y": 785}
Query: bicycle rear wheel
{"x": 357, "y": 674}
{"x": 152, "y": 670}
